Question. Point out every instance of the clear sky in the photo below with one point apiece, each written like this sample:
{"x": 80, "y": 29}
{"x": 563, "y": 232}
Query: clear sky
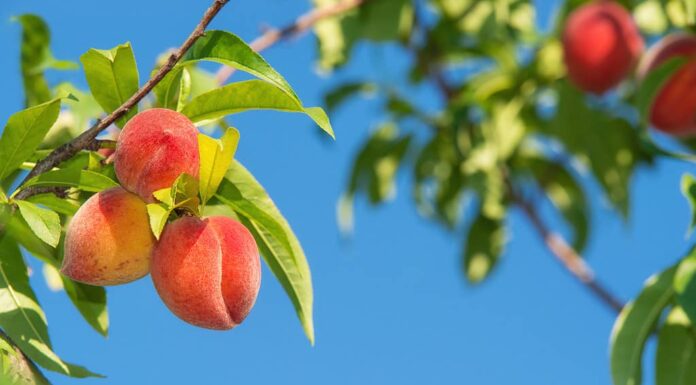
{"x": 391, "y": 306}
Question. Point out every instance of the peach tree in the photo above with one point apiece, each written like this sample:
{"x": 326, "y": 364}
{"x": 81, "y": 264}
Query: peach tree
{"x": 527, "y": 118}
{"x": 108, "y": 184}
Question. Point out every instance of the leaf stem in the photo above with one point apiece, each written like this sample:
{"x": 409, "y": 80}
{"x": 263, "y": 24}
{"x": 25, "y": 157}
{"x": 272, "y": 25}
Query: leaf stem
{"x": 86, "y": 139}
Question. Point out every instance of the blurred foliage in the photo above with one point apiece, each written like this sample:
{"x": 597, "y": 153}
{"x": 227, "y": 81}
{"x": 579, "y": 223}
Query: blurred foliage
{"x": 510, "y": 130}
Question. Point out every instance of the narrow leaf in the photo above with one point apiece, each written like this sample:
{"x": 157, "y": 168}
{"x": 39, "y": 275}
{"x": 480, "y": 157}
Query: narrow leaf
{"x": 685, "y": 284}
{"x": 484, "y": 244}
{"x": 73, "y": 177}
{"x": 15, "y": 367}
{"x": 277, "y": 242}
{"x": 228, "y": 49}
{"x": 675, "y": 362}
{"x": 688, "y": 188}
{"x": 158, "y": 214}
{"x": 36, "y": 57}
{"x": 633, "y": 326}
{"x": 249, "y": 95}
{"x": 216, "y": 157}
{"x": 60, "y": 205}
{"x": 21, "y": 315}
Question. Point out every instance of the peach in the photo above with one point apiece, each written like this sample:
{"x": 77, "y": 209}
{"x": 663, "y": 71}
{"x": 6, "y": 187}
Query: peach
{"x": 673, "y": 109}
{"x": 207, "y": 271}
{"x": 108, "y": 241}
{"x": 154, "y": 148}
{"x": 601, "y": 45}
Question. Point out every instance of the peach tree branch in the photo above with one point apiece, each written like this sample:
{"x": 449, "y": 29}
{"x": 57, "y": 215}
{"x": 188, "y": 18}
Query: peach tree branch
{"x": 86, "y": 139}
{"x": 567, "y": 255}
{"x": 301, "y": 24}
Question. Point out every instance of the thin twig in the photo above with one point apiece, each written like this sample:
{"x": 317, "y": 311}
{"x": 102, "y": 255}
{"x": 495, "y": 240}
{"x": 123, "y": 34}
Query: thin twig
{"x": 98, "y": 144}
{"x": 85, "y": 139}
{"x": 568, "y": 256}
{"x": 301, "y": 24}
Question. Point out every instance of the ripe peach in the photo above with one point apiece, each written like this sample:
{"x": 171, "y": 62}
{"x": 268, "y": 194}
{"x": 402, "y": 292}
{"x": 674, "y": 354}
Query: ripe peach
{"x": 108, "y": 241}
{"x": 601, "y": 44}
{"x": 207, "y": 271}
{"x": 154, "y": 148}
{"x": 674, "y": 106}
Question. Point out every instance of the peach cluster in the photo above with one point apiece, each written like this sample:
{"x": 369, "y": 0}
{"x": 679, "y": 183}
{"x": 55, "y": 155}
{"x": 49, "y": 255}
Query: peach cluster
{"x": 602, "y": 45}
{"x": 206, "y": 270}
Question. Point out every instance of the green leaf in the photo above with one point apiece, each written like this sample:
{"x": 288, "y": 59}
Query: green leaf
{"x": 43, "y": 222}
{"x": 15, "y": 367}
{"x": 21, "y": 315}
{"x": 63, "y": 206}
{"x": 277, "y": 242}
{"x": 565, "y": 193}
{"x": 73, "y": 177}
{"x": 18, "y": 229}
{"x": 36, "y": 57}
{"x": 182, "y": 194}
{"x": 484, "y": 244}
{"x": 635, "y": 324}
{"x": 685, "y": 284}
{"x": 688, "y": 188}
{"x": 112, "y": 76}
{"x": 375, "y": 20}
{"x": 174, "y": 90}
{"x": 607, "y": 144}
{"x": 158, "y": 214}
{"x": 23, "y": 133}
{"x": 675, "y": 362}
{"x": 339, "y": 95}
{"x": 228, "y": 49}
{"x": 249, "y": 95}
{"x": 90, "y": 301}
{"x": 216, "y": 156}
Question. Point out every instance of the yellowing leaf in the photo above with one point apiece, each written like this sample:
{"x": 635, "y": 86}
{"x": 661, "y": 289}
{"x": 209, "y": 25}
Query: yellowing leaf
{"x": 216, "y": 157}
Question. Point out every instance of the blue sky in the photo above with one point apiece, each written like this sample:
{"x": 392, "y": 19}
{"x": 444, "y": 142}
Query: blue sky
{"x": 391, "y": 306}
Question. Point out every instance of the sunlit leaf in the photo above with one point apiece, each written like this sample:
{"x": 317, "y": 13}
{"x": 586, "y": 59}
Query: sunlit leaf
{"x": 675, "y": 362}
{"x": 484, "y": 244}
{"x": 216, "y": 156}
{"x": 228, "y": 49}
{"x": 112, "y": 76}
{"x": 249, "y": 95}
{"x": 21, "y": 316}
{"x": 23, "y": 133}
{"x": 43, "y": 222}
{"x": 633, "y": 326}
{"x": 73, "y": 177}
{"x": 276, "y": 240}
{"x": 685, "y": 284}
{"x": 15, "y": 367}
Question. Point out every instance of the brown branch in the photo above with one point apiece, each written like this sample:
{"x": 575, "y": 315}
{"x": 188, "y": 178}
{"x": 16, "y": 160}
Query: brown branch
{"x": 303, "y": 23}
{"x": 98, "y": 144}
{"x": 86, "y": 139}
{"x": 568, "y": 256}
